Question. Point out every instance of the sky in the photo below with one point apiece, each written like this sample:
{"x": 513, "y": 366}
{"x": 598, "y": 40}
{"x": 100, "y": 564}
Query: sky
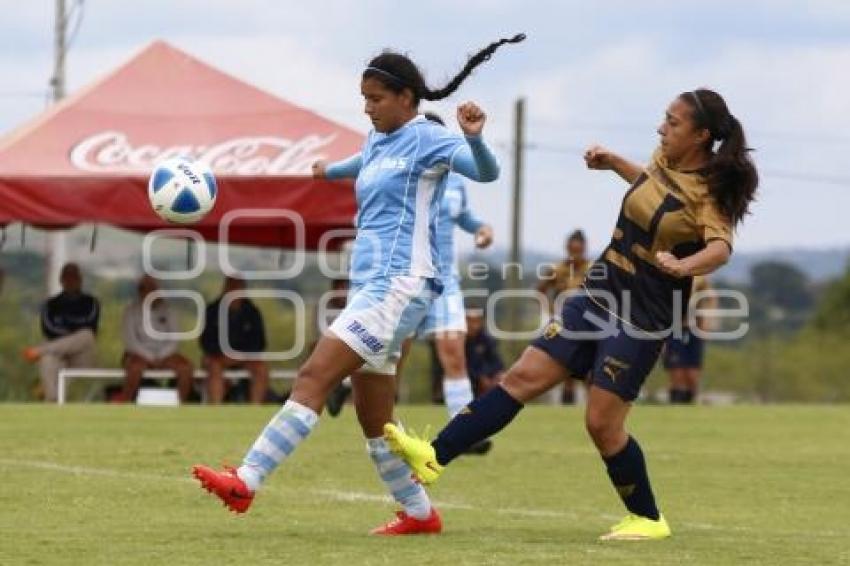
{"x": 591, "y": 72}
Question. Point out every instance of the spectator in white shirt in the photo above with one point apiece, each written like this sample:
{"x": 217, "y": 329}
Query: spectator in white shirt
{"x": 143, "y": 351}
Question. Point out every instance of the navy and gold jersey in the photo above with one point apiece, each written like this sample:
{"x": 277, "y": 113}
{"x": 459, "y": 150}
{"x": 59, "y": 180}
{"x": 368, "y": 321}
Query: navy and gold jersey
{"x": 569, "y": 274}
{"x": 664, "y": 210}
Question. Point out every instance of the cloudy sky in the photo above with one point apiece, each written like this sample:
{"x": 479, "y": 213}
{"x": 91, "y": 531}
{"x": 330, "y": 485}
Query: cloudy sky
{"x": 592, "y": 72}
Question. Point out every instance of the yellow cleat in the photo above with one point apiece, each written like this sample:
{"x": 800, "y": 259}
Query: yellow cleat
{"x": 634, "y": 527}
{"x": 416, "y": 451}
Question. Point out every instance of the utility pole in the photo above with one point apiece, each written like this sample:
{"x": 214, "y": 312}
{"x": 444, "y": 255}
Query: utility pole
{"x": 56, "y": 252}
{"x": 57, "y": 81}
{"x": 516, "y": 219}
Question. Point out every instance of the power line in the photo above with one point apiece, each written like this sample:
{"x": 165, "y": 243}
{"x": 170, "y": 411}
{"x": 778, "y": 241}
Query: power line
{"x": 838, "y": 180}
{"x": 78, "y": 10}
{"x": 635, "y": 128}
{"x": 807, "y": 177}
{"x": 21, "y": 94}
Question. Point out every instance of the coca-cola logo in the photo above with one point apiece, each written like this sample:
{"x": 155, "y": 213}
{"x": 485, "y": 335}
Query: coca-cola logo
{"x": 112, "y": 152}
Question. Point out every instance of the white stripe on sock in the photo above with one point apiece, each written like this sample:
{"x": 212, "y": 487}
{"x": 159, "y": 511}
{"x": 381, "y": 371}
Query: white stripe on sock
{"x": 398, "y": 479}
{"x": 285, "y": 431}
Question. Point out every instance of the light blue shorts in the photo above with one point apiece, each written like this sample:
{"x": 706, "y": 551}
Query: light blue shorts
{"x": 380, "y": 314}
{"x": 446, "y": 313}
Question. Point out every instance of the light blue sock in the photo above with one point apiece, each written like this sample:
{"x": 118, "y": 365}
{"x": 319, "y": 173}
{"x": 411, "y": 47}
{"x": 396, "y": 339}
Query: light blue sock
{"x": 398, "y": 479}
{"x": 292, "y": 424}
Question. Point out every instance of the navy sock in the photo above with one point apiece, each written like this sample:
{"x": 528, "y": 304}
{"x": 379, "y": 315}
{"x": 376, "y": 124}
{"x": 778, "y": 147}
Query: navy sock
{"x": 681, "y": 396}
{"x": 481, "y": 419}
{"x": 627, "y": 470}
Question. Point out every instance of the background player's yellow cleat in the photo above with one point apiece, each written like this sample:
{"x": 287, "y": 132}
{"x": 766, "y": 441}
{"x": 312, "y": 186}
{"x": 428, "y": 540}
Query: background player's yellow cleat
{"x": 634, "y": 527}
{"x": 416, "y": 451}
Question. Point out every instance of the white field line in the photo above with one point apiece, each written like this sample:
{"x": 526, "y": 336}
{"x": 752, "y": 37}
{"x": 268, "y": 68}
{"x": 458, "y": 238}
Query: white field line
{"x": 357, "y": 496}
{"x": 332, "y": 494}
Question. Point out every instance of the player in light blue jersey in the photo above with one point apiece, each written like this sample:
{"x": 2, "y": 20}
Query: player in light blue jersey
{"x": 401, "y": 176}
{"x": 445, "y": 322}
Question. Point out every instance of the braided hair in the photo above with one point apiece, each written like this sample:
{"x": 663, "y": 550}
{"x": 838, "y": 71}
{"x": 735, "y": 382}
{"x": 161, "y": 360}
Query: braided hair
{"x": 397, "y": 72}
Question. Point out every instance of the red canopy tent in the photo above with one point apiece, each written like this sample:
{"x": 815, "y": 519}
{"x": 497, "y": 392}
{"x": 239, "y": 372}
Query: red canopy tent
{"x": 87, "y": 158}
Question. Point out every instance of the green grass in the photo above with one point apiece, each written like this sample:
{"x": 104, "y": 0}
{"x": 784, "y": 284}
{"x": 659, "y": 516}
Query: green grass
{"x": 110, "y": 485}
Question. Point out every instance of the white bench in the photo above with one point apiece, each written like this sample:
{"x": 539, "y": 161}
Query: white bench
{"x": 66, "y": 375}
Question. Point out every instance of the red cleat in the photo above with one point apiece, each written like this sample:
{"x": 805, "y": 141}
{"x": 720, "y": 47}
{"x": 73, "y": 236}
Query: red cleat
{"x": 226, "y": 486}
{"x": 404, "y": 524}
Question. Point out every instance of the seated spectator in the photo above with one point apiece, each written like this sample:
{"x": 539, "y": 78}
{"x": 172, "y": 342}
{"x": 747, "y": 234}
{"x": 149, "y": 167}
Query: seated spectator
{"x": 143, "y": 351}
{"x": 245, "y": 334}
{"x": 69, "y": 323}
{"x": 483, "y": 361}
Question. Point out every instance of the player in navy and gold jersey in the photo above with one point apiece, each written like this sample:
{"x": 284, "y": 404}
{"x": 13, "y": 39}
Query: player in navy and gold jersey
{"x": 675, "y": 222}
{"x": 562, "y": 279}
{"x": 569, "y": 273}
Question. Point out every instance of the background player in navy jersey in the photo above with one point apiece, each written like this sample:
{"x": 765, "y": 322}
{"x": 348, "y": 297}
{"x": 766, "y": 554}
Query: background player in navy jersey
{"x": 401, "y": 175}
{"x": 565, "y": 277}
{"x": 445, "y": 323}
{"x": 675, "y": 222}
{"x": 683, "y": 354}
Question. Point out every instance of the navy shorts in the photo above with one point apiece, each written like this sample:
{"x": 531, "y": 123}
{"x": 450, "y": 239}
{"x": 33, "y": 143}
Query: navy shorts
{"x": 683, "y": 353}
{"x": 613, "y": 359}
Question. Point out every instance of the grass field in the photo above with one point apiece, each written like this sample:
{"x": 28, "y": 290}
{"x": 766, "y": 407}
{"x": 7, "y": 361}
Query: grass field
{"x": 110, "y": 485}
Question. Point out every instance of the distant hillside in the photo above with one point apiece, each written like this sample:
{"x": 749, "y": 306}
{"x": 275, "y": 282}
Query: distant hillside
{"x": 818, "y": 264}
{"x": 117, "y": 253}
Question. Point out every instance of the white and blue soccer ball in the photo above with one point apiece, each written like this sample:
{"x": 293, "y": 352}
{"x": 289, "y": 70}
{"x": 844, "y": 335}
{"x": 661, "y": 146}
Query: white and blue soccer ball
{"x": 182, "y": 191}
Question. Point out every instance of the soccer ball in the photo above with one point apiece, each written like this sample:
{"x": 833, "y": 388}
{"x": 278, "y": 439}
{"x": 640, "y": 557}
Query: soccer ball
{"x": 182, "y": 191}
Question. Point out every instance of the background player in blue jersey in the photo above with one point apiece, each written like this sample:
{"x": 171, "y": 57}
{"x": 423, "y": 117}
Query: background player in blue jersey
{"x": 675, "y": 222}
{"x": 401, "y": 175}
{"x": 446, "y": 320}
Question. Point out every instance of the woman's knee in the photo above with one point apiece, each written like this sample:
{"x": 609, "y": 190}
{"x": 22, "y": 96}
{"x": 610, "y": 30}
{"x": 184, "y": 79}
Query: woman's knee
{"x": 532, "y": 375}
{"x": 596, "y": 425}
{"x": 307, "y": 373}
{"x": 522, "y": 383}
{"x": 452, "y": 356}
{"x": 607, "y": 434}
{"x": 313, "y": 380}
{"x": 133, "y": 362}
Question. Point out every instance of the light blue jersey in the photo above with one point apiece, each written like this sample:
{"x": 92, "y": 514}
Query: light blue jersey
{"x": 401, "y": 178}
{"x": 454, "y": 211}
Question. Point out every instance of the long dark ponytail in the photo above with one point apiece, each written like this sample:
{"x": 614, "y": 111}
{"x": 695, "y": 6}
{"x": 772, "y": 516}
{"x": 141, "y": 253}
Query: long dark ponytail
{"x": 731, "y": 174}
{"x": 397, "y": 72}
